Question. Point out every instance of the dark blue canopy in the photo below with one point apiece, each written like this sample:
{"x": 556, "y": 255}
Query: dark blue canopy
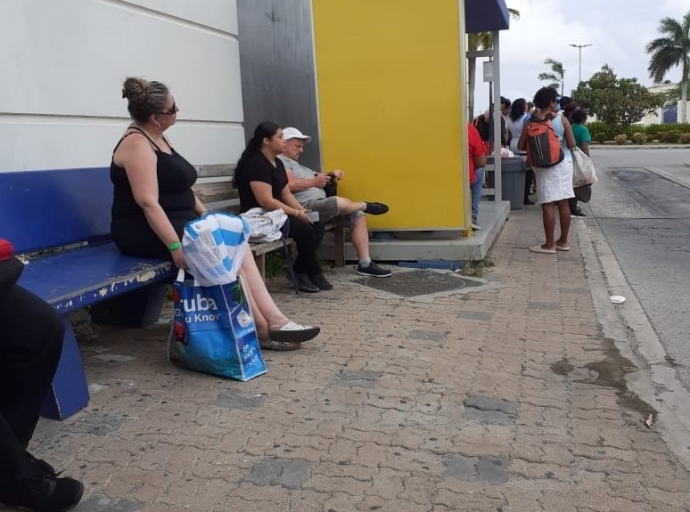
{"x": 486, "y": 16}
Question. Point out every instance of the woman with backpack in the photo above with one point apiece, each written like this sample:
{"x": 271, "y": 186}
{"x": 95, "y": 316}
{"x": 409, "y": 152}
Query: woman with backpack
{"x": 548, "y": 138}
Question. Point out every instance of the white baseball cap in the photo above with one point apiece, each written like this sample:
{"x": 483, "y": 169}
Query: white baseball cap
{"x": 294, "y": 133}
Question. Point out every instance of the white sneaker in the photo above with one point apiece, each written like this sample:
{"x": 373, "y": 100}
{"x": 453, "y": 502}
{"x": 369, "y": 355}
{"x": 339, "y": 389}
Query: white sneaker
{"x": 476, "y": 226}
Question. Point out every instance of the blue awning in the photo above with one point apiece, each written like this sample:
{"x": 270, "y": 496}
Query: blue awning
{"x": 486, "y": 16}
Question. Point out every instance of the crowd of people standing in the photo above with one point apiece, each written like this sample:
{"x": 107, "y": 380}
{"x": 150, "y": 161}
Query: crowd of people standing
{"x": 552, "y": 185}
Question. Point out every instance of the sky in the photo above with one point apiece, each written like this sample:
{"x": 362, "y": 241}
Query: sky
{"x": 618, "y": 31}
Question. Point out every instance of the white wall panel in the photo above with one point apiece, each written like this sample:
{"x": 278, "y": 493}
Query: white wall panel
{"x": 63, "y": 64}
{"x": 217, "y": 14}
{"x": 32, "y": 145}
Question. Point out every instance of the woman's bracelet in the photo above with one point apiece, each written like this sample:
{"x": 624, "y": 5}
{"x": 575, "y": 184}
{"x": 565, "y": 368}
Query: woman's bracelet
{"x": 175, "y": 246}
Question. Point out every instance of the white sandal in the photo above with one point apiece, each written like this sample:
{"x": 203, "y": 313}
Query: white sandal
{"x": 292, "y": 331}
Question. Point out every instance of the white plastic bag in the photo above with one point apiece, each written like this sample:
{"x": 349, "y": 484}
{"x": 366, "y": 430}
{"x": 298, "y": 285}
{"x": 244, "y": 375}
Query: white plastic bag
{"x": 264, "y": 226}
{"x": 214, "y": 246}
{"x": 584, "y": 172}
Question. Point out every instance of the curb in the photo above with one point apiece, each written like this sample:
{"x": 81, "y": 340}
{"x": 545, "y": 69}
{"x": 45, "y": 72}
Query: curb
{"x": 638, "y": 146}
{"x": 655, "y": 381}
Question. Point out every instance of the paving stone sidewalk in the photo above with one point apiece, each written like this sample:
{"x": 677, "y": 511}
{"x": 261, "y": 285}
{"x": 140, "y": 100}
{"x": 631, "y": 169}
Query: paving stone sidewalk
{"x": 500, "y": 398}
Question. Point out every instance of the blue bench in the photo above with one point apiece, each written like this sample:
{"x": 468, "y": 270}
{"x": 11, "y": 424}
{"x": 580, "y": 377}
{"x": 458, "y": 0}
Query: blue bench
{"x": 69, "y": 210}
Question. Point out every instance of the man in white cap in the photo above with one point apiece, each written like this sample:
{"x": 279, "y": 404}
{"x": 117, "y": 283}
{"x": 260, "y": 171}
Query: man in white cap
{"x": 308, "y": 187}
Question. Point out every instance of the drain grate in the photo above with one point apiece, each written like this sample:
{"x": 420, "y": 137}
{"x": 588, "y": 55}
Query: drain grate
{"x": 421, "y": 282}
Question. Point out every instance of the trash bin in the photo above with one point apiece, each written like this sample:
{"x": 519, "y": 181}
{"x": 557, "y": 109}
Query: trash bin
{"x": 513, "y": 172}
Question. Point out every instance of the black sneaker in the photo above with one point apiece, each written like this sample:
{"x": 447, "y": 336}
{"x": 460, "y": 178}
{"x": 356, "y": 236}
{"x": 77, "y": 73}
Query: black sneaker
{"x": 373, "y": 270}
{"x": 376, "y": 208}
{"x": 45, "y": 494}
{"x": 578, "y": 213}
{"x": 305, "y": 284}
{"x": 320, "y": 281}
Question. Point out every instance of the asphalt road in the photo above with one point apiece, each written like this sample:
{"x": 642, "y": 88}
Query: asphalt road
{"x": 645, "y": 217}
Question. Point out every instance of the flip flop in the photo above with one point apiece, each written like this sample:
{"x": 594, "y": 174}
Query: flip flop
{"x": 539, "y": 249}
{"x": 560, "y": 248}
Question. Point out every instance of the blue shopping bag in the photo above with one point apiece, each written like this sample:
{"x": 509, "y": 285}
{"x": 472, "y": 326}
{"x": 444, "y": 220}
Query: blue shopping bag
{"x": 214, "y": 331}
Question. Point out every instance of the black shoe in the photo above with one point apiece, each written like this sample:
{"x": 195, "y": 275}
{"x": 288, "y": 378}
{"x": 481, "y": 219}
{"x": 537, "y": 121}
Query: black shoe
{"x": 527, "y": 202}
{"x": 305, "y": 284}
{"x": 578, "y": 213}
{"x": 41, "y": 467}
{"x": 320, "y": 281}
{"x": 376, "y": 208}
{"x": 373, "y": 270}
{"x": 45, "y": 494}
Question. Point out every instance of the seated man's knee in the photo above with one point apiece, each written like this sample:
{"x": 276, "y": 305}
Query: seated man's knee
{"x": 342, "y": 204}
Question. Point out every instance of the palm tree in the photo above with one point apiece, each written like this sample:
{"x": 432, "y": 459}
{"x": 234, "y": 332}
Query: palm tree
{"x": 475, "y": 42}
{"x": 669, "y": 51}
{"x": 557, "y": 75}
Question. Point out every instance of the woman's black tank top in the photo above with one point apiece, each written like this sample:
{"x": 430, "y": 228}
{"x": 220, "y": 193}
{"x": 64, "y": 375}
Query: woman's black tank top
{"x": 129, "y": 227}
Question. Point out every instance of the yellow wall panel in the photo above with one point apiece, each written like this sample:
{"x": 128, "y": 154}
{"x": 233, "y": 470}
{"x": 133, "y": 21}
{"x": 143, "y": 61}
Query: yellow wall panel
{"x": 390, "y": 90}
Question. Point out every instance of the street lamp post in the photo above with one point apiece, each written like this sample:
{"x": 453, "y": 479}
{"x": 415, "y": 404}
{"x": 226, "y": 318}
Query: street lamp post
{"x": 579, "y": 67}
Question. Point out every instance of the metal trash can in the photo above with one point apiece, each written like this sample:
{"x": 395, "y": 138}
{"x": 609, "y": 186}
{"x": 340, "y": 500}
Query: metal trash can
{"x": 513, "y": 172}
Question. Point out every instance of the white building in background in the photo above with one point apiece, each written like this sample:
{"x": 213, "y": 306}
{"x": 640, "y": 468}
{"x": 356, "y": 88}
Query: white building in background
{"x": 63, "y": 63}
{"x": 668, "y": 114}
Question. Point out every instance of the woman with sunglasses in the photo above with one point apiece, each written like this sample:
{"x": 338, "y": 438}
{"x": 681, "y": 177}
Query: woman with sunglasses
{"x": 153, "y": 200}
{"x": 153, "y": 197}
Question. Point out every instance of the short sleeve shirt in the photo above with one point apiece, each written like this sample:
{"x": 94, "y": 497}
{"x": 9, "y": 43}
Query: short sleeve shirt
{"x": 299, "y": 171}
{"x": 258, "y": 168}
{"x": 476, "y": 147}
{"x": 581, "y": 134}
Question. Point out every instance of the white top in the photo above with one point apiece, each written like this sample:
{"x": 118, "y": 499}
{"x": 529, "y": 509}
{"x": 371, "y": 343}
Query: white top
{"x": 516, "y": 128}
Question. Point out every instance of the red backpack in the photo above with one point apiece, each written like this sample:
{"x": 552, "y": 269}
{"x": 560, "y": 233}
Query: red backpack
{"x": 543, "y": 146}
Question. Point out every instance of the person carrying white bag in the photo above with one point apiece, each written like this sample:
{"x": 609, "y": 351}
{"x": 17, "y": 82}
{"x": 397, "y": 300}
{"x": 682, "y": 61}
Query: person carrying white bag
{"x": 584, "y": 173}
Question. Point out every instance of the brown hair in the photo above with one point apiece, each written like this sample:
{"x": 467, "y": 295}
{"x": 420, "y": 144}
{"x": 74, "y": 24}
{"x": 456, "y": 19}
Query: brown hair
{"x": 144, "y": 98}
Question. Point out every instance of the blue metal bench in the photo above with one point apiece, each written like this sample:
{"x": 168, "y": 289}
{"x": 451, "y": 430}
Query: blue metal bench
{"x": 70, "y": 210}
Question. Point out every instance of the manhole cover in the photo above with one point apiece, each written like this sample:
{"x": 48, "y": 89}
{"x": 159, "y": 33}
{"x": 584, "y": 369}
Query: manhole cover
{"x": 419, "y": 282}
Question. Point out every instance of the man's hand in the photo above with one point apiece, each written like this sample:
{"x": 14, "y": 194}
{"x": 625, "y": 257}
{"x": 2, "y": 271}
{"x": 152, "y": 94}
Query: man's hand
{"x": 339, "y": 175}
{"x": 321, "y": 180}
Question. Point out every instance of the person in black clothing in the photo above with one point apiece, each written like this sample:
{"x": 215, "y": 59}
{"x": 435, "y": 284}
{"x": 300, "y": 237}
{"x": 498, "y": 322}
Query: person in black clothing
{"x": 153, "y": 200}
{"x": 30, "y": 348}
{"x": 153, "y": 197}
{"x": 484, "y": 123}
{"x": 261, "y": 180}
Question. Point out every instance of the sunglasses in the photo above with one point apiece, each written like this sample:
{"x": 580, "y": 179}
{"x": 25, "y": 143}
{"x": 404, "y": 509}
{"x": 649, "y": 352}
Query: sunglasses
{"x": 174, "y": 110}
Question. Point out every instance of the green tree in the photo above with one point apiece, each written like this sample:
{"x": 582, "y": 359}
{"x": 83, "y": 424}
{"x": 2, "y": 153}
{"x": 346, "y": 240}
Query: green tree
{"x": 669, "y": 51}
{"x": 556, "y": 76}
{"x": 476, "y": 42}
{"x": 617, "y": 102}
